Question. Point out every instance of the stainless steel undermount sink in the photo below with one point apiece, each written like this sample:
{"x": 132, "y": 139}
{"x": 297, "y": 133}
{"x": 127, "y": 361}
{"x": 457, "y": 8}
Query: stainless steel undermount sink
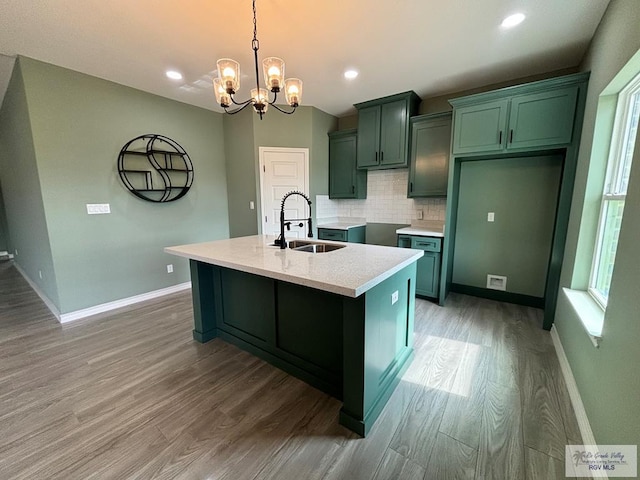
{"x": 313, "y": 247}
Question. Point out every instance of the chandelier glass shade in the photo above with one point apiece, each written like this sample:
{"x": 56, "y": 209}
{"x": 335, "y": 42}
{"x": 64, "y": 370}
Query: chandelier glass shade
{"x": 227, "y": 83}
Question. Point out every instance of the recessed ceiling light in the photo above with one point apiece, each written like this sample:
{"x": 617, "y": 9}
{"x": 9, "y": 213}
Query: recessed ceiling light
{"x": 350, "y": 74}
{"x": 173, "y": 75}
{"x": 512, "y": 20}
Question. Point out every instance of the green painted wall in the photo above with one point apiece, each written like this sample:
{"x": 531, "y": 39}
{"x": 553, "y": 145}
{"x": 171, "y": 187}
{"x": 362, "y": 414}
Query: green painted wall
{"x": 607, "y": 377}
{"x": 21, "y": 189}
{"x": 241, "y": 171}
{"x": 79, "y": 125}
{"x": 245, "y": 133}
{"x": 523, "y": 193}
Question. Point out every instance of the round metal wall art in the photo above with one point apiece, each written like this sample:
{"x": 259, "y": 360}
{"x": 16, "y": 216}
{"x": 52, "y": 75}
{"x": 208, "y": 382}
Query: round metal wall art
{"x": 155, "y": 168}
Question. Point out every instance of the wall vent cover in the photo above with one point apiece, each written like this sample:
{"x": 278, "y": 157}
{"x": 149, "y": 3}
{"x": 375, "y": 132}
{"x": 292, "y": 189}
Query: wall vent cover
{"x": 496, "y": 282}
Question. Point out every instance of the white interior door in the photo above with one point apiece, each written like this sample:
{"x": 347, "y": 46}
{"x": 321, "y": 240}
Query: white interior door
{"x": 283, "y": 170}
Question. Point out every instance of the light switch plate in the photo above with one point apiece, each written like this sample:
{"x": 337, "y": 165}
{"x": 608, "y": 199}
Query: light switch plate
{"x": 490, "y": 217}
{"x": 394, "y": 297}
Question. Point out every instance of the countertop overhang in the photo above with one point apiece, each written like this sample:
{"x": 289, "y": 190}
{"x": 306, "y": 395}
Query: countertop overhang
{"x": 348, "y": 271}
{"x": 421, "y": 231}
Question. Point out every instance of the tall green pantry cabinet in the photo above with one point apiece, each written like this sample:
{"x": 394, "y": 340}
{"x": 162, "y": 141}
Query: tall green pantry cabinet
{"x": 534, "y": 120}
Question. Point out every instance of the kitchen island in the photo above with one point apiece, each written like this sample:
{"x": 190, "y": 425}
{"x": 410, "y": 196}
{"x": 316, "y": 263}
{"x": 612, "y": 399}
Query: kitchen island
{"x": 341, "y": 321}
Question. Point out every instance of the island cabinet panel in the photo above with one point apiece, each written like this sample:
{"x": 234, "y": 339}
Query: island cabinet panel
{"x": 250, "y": 320}
{"x": 355, "y": 349}
{"x": 309, "y": 325}
{"x": 378, "y": 348}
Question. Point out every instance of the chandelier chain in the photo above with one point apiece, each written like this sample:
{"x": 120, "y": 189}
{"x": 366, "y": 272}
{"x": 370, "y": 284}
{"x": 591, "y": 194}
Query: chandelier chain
{"x": 255, "y": 44}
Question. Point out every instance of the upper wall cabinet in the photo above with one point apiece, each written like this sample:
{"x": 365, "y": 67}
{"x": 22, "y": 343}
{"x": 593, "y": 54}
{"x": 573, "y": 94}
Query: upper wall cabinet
{"x": 429, "y": 155}
{"x": 383, "y": 130}
{"x": 531, "y": 116}
{"x": 345, "y": 181}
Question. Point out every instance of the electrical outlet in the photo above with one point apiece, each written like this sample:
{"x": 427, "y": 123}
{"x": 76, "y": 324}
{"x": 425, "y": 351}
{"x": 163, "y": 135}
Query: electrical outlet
{"x": 419, "y": 214}
{"x": 394, "y": 297}
{"x": 491, "y": 217}
{"x": 40, "y": 274}
{"x": 252, "y": 205}
{"x": 170, "y": 268}
{"x": 16, "y": 252}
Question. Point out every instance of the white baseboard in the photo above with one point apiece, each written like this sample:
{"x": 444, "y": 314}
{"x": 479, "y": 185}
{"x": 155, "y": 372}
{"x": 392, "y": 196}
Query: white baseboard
{"x": 47, "y": 301}
{"x": 104, "y": 307}
{"x": 574, "y": 394}
{"x": 123, "y": 302}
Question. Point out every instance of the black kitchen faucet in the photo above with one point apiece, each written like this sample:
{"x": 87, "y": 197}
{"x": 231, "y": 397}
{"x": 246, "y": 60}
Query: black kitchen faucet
{"x": 287, "y": 221}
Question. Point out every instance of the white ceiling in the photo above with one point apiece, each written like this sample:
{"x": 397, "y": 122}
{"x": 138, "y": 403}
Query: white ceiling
{"x": 431, "y": 46}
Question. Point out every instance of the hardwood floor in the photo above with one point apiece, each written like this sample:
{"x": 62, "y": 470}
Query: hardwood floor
{"x": 129, "y": 394}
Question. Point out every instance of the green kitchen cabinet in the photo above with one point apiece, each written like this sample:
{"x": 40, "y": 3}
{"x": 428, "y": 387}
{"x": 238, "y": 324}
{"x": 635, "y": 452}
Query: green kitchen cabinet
{"x": 514, "y": 119}
{"x": 345, "y": 180}
{"x": 352, "y": 234}
{"x": 428, "y": 268}
{"x": 383, "y": 131}
{"x": 480, "y": 128}
{"x": 542, "y": 119}
{"x": 429, "y": 155}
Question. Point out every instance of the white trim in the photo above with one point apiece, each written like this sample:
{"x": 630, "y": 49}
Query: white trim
{"x": 589, "y": 311}
{"x": 47, "y": 301}
{"x": 574, "y": 393}
{"x": 123, "y": 302}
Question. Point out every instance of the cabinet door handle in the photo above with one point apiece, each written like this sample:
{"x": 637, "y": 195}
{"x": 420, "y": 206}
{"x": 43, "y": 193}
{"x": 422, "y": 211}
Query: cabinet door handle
{"x": 353, "y": 189}
{"x": 381, "y": 157}
{"x": 376, "y": 157}
{"x": 500, "y": 138}
{"x": 511, "y": 136}
{"x": 411, "y": 186}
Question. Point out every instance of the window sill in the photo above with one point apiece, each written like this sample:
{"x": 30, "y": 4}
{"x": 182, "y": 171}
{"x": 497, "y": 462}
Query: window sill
{"x": 589, "y": 312}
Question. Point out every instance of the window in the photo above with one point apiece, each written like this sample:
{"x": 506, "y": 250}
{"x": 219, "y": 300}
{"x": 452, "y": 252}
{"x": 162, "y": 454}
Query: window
{"x": 615, "y": 190}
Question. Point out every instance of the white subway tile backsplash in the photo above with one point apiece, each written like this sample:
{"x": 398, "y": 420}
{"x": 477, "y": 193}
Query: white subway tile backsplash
{"x": 386, "y": 201}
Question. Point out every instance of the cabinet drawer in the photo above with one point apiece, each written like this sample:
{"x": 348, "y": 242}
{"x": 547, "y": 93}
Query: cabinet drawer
{"x": 428, "y": 244}
{"x": 331, "y": 234}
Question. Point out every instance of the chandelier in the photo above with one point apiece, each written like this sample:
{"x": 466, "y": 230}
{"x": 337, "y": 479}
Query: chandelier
{"x": 228, "y": 82}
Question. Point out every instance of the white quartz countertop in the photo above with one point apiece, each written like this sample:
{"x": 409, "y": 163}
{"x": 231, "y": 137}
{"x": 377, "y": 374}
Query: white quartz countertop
{"x": 342, "y": 225}
{"x": 421, "y": 231}
{"x": 348, "y": 271}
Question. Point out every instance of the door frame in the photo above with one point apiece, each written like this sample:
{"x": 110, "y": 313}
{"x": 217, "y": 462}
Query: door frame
{"x": 262, "y": 172}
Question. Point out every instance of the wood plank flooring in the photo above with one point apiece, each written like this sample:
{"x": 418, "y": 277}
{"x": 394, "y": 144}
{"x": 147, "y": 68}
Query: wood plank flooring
{"x": 129, "y": 395}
